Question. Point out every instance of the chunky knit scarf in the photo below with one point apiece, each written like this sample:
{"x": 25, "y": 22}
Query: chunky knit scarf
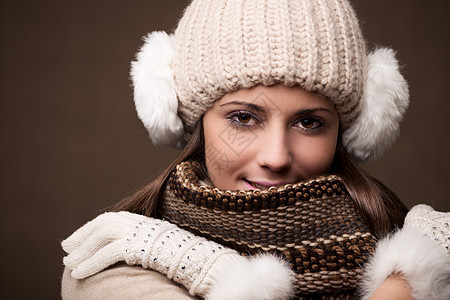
{"x": 313, "y": 224}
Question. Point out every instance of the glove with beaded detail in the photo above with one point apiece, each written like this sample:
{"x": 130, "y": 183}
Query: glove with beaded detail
{"x": 205, "y": 268}
{"x": 432, "y": 223}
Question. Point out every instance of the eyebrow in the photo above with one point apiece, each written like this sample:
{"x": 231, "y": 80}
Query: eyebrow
{"x": 253, "y": 106}
{"x": 311, "y": 110}
{"x": 259, "y": 108}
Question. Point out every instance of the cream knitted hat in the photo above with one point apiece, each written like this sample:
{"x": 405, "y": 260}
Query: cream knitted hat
{"x": 221, "y": 46}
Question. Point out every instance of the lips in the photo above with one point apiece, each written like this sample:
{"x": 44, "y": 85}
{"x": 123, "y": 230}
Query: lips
{"x": 261, "y": 185}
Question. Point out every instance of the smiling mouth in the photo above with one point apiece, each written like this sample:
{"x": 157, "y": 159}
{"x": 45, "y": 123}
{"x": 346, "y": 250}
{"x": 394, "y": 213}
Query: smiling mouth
{"x": 261, "y": 186}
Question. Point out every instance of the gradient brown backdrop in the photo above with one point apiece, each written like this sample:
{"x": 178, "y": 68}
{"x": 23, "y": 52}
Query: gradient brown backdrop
{"x": 71, "y": 143}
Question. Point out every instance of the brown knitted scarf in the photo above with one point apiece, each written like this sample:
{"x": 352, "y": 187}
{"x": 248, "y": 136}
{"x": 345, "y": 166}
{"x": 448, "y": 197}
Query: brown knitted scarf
{"x": 314, "y": 224}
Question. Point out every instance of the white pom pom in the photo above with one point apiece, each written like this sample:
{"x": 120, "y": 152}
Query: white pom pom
{"x": 154, "y": 90}
{"x": 263, "y": 277}
{"x": 385, "y": 100}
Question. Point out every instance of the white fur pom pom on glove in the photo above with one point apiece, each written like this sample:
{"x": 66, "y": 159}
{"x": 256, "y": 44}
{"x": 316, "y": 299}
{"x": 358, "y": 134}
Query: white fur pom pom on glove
{"x": 419, "y": 252}
{"x": 205, "y": 268}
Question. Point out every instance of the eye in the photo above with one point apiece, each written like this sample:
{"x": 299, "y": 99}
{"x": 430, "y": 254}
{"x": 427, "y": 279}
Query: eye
{"x": 308, "y": 122}
{"x": 244, "y": 118}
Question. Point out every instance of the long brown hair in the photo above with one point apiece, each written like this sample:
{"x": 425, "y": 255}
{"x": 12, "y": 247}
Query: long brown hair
{"x": 144, "y": 200}
{"x": 379, "y": 206}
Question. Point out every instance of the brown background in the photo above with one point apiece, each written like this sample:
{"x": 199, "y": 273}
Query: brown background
{"x": 71, "y": 143}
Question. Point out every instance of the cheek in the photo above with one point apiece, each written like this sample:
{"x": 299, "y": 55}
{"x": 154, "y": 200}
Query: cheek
{"x": 227, "y": 151}
{"x": 315, "y": 157}
{"x": 221, "y": 160}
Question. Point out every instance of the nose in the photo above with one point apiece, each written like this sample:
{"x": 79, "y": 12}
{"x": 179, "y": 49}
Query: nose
{"x": 274, "y": 152}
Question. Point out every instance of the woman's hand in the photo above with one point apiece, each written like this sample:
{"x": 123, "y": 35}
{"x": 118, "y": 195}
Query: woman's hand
{"x": 140, "y": 240}
{"x": 205, "y": 268}
{"x": 108, "y": 239}
{"x": 419, "y": 252}
{"x": 394, "y": 287}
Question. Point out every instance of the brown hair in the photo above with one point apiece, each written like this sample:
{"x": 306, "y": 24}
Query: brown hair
{"x": 144, "y": 200}
{"x": 379, "y": 206}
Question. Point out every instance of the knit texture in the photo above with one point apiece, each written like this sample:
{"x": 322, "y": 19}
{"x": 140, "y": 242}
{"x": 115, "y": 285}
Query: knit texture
{"x": 432, "y": 223}
{"x": 187, "y": 259}
{"x": 224, "y": 45}
{"x": 314, "y": 225}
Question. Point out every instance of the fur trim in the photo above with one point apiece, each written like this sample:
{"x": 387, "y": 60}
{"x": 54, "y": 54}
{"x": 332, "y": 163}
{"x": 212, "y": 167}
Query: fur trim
{"x": 384, "y": 102}
{"x": 415, "y": 256}
{"x": 154, "y": 90}
{"x": 263, "y": 277}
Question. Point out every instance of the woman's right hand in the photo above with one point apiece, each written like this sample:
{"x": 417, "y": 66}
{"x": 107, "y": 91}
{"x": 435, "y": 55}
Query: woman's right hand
{"x": 100, "y": 243}
{"x": 205, "y": 268}
{"x": 140, "y": 240}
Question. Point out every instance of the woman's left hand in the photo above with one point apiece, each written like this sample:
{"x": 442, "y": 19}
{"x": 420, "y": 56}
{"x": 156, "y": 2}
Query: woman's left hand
{"x": 414, "y": 262}
{"x": 395, "y": 287}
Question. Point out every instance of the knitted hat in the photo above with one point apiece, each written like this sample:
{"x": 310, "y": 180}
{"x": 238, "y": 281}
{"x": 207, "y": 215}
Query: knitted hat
{"x": 221, "y": 46}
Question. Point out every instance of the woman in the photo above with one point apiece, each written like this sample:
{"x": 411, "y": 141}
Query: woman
{"x": 280, "y": 99}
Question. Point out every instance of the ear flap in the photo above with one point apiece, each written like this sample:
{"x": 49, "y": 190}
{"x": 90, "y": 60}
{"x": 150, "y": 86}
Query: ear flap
{"x": 154, "y": 90}
{"x": 384, "y": 102}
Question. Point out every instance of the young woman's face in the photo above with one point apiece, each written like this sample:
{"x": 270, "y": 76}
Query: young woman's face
{"x": 268, "y": 136}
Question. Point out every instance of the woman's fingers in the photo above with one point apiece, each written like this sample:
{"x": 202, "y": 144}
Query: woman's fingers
{"x": 100, "y": 242}
{"x": 101, "y": 237}
{"x": 119, "y": 220}
{"x": 105, "y": 257}
{"x": 77, "y": 238}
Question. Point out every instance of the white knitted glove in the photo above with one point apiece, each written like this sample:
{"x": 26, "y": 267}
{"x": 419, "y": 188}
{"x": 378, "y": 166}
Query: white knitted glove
{"x": 205, "y": 268}
{"x": 434, "y": 224}
{"x": 418, "y": 251}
